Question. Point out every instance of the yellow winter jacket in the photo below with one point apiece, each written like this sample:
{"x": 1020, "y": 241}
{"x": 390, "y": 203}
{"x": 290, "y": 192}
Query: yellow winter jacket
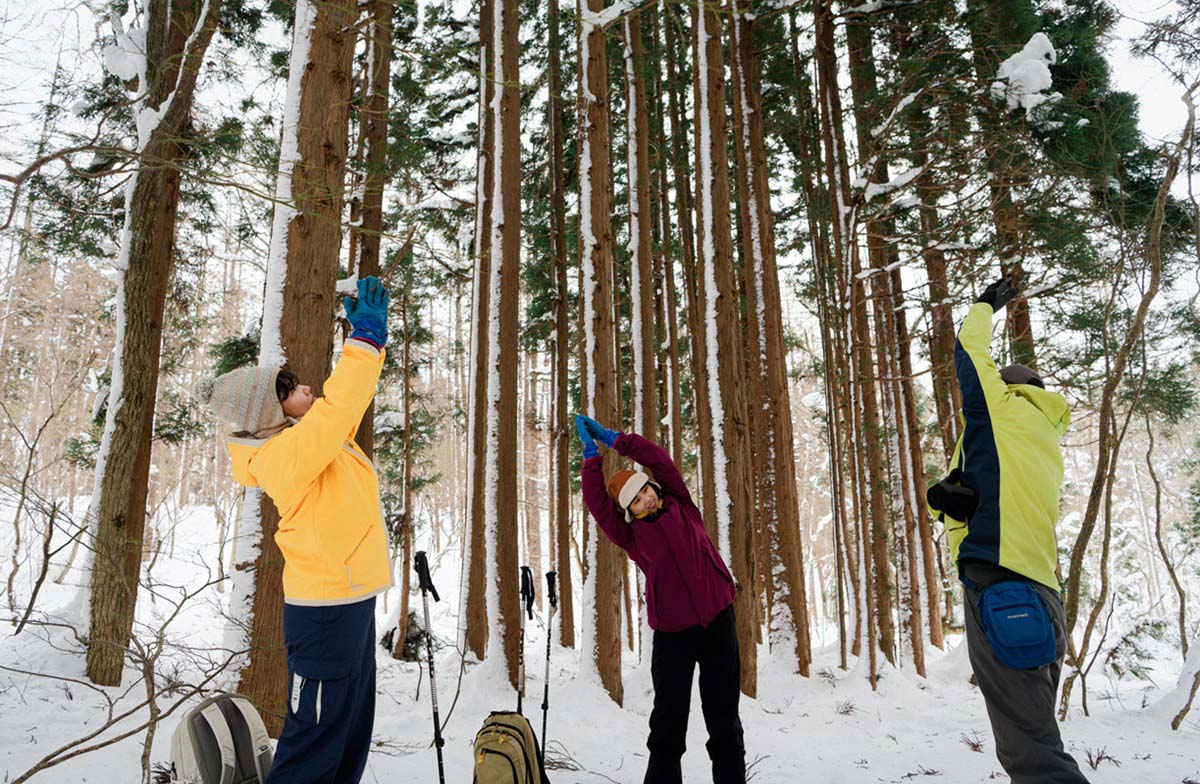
{"x": 331, "y": 530}
{"x": 1010, "y": 456}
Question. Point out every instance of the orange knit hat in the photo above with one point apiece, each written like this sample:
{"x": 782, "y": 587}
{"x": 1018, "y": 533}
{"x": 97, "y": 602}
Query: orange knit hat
{"x": 624, "y": 486}
{"x": 617, "y": 482}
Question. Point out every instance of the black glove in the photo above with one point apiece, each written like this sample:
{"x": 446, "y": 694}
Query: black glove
{"x": 952, "y": 498}
{"x": 999, "y": 293}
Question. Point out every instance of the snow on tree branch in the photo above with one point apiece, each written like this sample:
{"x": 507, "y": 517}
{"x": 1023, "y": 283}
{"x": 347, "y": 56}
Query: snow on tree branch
{"x": 1022, "y": 79}
{"x": 612, "y": 13}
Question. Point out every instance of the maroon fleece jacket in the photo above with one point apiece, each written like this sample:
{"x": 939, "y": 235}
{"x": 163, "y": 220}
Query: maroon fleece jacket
{"x": 687, "y": 582}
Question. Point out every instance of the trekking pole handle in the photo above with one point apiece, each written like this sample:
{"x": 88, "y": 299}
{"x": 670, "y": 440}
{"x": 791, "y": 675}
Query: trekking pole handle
{"x": 551, "y": 579}
{"x": 527, "y": 592}
{"x": 421, "y": 564}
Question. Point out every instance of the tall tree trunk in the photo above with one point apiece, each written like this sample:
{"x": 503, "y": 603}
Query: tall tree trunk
{"x": 176, "y": 39}
{"x": 946, "y": 395}
{"x": 893, "y": 351}
{"x": 375, "y": 133}
{"x": 530, "y": 467}
{"x": 641, "y": 254}
{"x": 601, "y": 629}
{"x": 929, "y": 22}
{"x": 500, "y": 467}
{"x": 562, "y": 343}
{"x": 725, "y": 443}
{"x": 859, "y": 407}
{"x": 774, "y": 467}
{"x": 406, "y": 520}
{"x": 300, "y": 293}
{"x": 683, "y": 200}
{"x": 670, "y": 310}
{"x": 824, "y": 282}
{"x": 475, "y": 612}
{"x": 997, "y": 30}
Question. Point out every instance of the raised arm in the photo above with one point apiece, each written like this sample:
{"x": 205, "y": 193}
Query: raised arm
{"x": 978, "y": 377}
{"x": 297, "y": 456}
{"x": 598, "y": 502}
{"x": 652, "y": 456}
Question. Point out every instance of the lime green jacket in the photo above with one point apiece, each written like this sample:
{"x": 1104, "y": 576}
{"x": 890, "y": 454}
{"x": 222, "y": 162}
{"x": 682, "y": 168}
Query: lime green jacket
{"x": 1009, "y": 454}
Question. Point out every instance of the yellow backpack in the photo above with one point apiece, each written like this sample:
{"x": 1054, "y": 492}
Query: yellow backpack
{"x": 507, "y": 752}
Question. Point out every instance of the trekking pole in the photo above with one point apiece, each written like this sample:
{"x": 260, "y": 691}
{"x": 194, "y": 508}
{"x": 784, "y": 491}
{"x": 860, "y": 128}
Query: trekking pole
{"x": 421, "y": 564}
{"x": 553, "y": 596}
{"x": 527, "y": 600}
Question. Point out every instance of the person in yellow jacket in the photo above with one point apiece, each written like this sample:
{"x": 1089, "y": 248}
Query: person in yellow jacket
{"x": 300, "y": 450}
{"x": 1000, "y": 507}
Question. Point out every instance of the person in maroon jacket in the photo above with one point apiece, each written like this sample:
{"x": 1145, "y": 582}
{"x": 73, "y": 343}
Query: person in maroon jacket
{"x": 689, "y": 599}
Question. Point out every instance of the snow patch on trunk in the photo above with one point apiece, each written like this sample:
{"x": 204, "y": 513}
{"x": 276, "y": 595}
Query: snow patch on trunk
{"x": 712, "y": 361}
{"x": 634, "y": 247}
{"x": 271, "y": 352}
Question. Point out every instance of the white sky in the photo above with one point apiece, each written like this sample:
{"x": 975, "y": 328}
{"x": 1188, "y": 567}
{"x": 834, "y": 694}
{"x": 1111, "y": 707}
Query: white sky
{"x": 33, "y": 32}
{"x": 1162, "y": 113}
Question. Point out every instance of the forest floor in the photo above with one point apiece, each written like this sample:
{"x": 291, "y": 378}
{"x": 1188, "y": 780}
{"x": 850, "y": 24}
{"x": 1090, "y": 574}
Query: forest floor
{"x": 828, "y": 728}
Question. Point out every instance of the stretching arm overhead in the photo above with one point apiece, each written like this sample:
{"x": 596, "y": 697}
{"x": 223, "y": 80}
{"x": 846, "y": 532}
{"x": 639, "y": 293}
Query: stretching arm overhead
{"x": 978, "y": 377}
{"x": 652, "y": 456}
{"x": 596, "y": 498}
{"x": 294, "y": 458}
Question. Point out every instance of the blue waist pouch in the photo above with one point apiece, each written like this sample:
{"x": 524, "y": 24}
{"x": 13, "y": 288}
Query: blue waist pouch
{"x": 1017, "y": 624}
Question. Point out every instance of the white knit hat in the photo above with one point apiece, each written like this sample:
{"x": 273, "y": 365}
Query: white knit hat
{"x": 244, "y": 398}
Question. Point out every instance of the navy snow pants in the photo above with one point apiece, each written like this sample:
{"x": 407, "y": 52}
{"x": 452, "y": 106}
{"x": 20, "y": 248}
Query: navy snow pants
{"x": 331, "y": 694}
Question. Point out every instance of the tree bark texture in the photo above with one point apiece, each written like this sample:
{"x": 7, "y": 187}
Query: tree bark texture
{"x": 314, "y": 237}
{"x": 602, "y": 387}
{"x": 374, "y": 118}
{"x": 771, "y": 408}
{"x": 645, "y": 405}
{"x": 725, "y": 443}
{"x": 500, "y": 467}
{"x": 475, "y": 615}
{"x": 562, "y": 342}
{"x": 148, "y": 247}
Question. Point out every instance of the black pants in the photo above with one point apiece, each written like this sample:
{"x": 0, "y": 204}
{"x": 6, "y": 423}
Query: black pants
{"x": 672, "y": 664}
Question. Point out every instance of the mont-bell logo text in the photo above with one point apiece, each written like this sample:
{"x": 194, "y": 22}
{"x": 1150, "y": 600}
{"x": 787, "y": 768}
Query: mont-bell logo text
{"x": 1017, "y": 615}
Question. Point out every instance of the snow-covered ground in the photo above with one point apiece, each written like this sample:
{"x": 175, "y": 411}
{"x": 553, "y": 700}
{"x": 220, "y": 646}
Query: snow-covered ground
{"x": 828, "y": 728}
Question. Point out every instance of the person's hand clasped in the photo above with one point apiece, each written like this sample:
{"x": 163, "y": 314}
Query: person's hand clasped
{"x": 585, "y": 437}
{"x": 599, "y": 432}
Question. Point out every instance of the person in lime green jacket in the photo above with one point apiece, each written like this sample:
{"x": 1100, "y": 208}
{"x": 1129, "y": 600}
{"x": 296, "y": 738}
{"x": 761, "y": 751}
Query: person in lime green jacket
{"x": 1000, "y": 508}
{"x": 300, "y": 450}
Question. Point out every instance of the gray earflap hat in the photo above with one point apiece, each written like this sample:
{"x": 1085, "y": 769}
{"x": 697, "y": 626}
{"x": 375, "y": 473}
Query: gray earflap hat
{"x": 244, "y": 399}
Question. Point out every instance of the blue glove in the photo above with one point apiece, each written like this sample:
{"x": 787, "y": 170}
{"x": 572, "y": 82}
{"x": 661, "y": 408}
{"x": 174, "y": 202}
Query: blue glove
{"x": 589, "y": 444}
{"x": 368, "y": 314}
{"x": 600, "y": 432}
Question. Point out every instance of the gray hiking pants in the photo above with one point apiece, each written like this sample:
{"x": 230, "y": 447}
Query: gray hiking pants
{"x": 1020, "y": 703}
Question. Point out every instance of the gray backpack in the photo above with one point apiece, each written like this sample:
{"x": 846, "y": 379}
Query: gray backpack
{"x": 221, "y": 741}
